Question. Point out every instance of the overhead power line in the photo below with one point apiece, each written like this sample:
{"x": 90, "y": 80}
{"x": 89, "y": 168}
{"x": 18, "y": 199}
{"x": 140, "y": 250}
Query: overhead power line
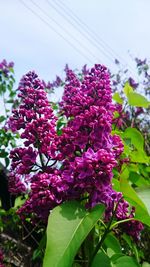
{"x": 90, "y": 32}
{"x": 57, "y": 32}
{"x": 64, "y": 29}
{"x": 80, "y": 30}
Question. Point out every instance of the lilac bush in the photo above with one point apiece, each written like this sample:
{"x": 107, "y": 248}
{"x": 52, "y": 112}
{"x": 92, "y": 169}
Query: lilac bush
{"x": 78, "y": 164}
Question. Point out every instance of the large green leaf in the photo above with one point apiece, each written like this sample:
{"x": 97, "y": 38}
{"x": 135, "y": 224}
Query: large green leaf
{"x": 68, "y": 226}
{"x": 137, "y": 100}
{"x": 136, "y": 137}
{"x": 133, "y": 198}
{"x": 101, "y": 260}
{"x": 144, "y": 194}
{"x": 126, "y": 261}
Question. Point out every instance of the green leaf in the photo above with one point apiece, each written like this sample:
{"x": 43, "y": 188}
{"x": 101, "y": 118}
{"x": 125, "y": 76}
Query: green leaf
{"x": 3, "y": 153}
{"x": 2, "y": 118}
{"x": 137, "y": 100}
{"x": 19, "y": 201}
{"x": 7, "y": 161}
{"x": 127, "y": 89}
{"x": 117, "y": 98}
{"x": 116, "y": 184}
{"x": 101, "y": 260}
{"x": 114, "y": 257}
{"x": 116, "y": 115}
{"x": 110, "y": 252}
{"x": 144, "y": 194}
{"x": 137, "y": 179}
{"x": 139, "y": 157}
{"x": 112, "y": 242}
{"x": 11, "y": 70}
{"x": 68, "y": 226}
{"x": 130, "y": 193}
{"x": 141, "y": 215}
{"x": 126, "y": 261}
{"x": 136, "y": 137}
{"x": 141, "y": 212}
{"x": 128, "y": 240}
{"x": 76, "y": 265}
{"x": 146, "y": 264}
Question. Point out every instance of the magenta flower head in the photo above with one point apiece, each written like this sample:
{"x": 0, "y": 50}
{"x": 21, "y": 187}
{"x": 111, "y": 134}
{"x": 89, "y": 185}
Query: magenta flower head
{"x": 92, "y": 151}
{"x": 35, "y": 116}
{"x": 36, "y": 123}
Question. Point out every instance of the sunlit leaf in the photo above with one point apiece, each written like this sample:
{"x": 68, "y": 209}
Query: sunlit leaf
{"x": 117, "y": 98}
{"x": 133, "y": 198}
{"x": 127, "y": 89}
{"x": 137, "y": 100}
{"x": 136, "y": 137}
{"x": 144, "y": 194}
{"x": 139, "y": 157}
{"x": 68, "y": 226}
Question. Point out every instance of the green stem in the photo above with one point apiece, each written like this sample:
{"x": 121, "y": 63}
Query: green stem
{"x": 83, "y": 255}
{"x": 107, "y": 230}
{"x": 41, "y": 159}
{"x": 4, "y": 105}
{"x": 122, "y": 221}
{"x": 136, "y": 253}
{"x": 99, "y": 245}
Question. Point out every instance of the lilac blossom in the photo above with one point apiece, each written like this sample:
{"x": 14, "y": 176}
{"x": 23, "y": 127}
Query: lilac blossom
{"x": 35, "y": 121}
{"x": 89, "y": 109}
{"x": 5, "y": 67}
{"x": 51, "y": 85}
{"x": 133, "y": 83}
{"x": 34, "y": 116}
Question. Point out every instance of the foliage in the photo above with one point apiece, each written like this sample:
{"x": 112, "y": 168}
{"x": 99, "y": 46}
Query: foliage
{"x": 7, "y": 92}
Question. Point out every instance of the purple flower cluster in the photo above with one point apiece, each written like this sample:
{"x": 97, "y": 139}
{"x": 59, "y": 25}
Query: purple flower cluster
{"x": 91, "y": 150}
{"x": 122, "y": 118}
{"x": 133, "y": 83}
{"x": 79, "y": 162}
{"x": 23, "y": 160}
{"x": 35, "y": 120}
{"x": 34, "y": 116}
{"x": 47, "y": 191}
{"x": 5, "y": 67}
{"x": 133, "y": 227}
{"x": 51, "y": 85}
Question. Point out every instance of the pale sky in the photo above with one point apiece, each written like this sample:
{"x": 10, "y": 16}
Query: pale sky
{"x": 37, "y": 36}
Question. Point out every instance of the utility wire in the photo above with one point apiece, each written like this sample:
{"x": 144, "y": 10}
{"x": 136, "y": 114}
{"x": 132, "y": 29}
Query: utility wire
{"x": 57, "y": 32}
{"x": 77, "y": 19}
{"x": 90, "y": 32}
{"x": 63, "y": 28}
{"x": 81, "y": 30}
